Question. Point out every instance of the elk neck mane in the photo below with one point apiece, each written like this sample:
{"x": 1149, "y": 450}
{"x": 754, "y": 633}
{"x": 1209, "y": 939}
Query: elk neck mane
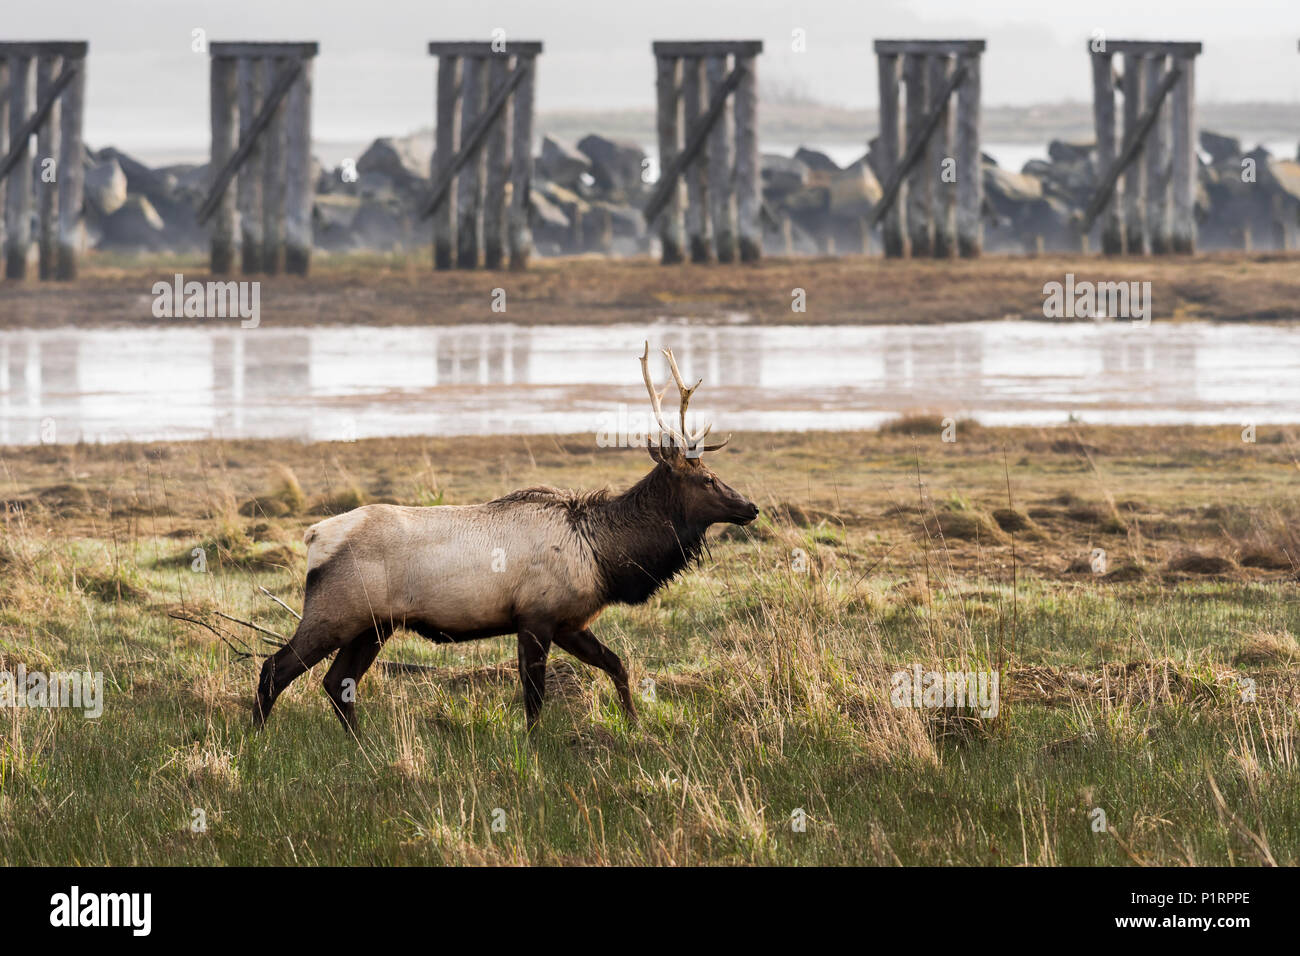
{"x": 639, "y": 539}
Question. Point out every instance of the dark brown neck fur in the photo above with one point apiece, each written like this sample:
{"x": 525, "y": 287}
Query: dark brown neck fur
{"x": 641, "y": 539}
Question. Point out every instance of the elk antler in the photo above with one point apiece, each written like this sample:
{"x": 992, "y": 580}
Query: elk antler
{"x": 655, "y": 397}
{"x": 688, "y": 440}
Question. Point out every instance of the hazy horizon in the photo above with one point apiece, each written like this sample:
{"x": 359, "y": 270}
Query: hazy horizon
{"x": 148, "y": 91}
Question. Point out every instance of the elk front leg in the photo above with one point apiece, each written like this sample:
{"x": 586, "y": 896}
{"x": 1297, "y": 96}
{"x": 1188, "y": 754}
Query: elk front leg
{"x": 586, "y": 647}
{"x": 534, "y": 645}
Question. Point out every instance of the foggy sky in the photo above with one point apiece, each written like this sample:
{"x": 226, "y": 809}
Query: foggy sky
{"x": 147, "y": 89}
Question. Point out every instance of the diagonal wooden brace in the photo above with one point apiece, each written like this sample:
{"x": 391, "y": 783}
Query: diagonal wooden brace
{"x": 36, "y": 119}
{"x": 917, "y": 147}
{"x": 1131, "y": 149}
{"x": 474, "y": 140}
{"x": 695, "y": 141}
{"x": 222, "y": 182}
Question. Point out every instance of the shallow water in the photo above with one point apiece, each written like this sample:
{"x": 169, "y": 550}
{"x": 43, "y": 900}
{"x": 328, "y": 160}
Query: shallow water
{"x": 344, "y": 383}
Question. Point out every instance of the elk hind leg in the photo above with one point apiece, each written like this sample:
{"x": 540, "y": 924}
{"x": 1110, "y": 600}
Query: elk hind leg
{"x": 312, "y": 642}
{"x": 534, "y": 645}
{"x": 586, "y": 647}
{"x": 350, "y": 665}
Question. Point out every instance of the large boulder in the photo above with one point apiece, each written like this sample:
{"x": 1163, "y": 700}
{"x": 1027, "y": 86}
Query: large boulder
{"x": 616, "y": 165}
{"x": 816, "y": 161}
{"x": 562, "y": 164}
{"x": 854, "y": 192}
{"x": 106, "y": 189}
{"x": 1222, "y": 149}
{"x": 153, "y": 184}
{"x": 781, "y": 175}
{"x": 133, "y": 227}
{"x": 380, "y": 226}
{"x": 402, "y": 161}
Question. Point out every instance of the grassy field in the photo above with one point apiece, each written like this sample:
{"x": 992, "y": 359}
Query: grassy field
{"x": 1161, "y": 692}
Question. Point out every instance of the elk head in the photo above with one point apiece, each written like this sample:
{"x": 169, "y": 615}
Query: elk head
{"x": 703, "y": 497}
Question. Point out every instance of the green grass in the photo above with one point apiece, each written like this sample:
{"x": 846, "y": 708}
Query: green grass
{"x": 770, "y": 695}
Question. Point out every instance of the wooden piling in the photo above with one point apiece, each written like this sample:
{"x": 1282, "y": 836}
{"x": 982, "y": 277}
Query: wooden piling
{"x": 252, "y": 82}
{"x": 300, "y": 186}
{"x": 224, "y": 141}
{"x": 18, "y": 224}
{"x": 1157, "y": 160}
{"x": 748, "y": 185}
{"x": 4, "y": 145}
{"x": 521, "y": 166}
{"x": 721, "y": 145}
{"x": 498, "y": 169}
{"x": 1135, "y": 211}
{"x": 893, "y": 228}
{"x": 970, "y": 161}
{"x": 47, "y": 163}
{"x": 699, "y": 232}
{"x": 920, "y": 182}
{"x": 668, "y": 126}
{"x": 448, "y": 139}
{"x": 942, "y": 163}
{"x": 1185, "y": 165}
{"x": 274, "y": 183}
{"x": 1103, "y": 110}
{"x": 72, "y": 174}
{"x": 469, "y": 184}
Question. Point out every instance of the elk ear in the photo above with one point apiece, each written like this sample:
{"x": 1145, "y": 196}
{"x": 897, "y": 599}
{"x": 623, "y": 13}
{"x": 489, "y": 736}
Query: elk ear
{"x": 656, "y": 453}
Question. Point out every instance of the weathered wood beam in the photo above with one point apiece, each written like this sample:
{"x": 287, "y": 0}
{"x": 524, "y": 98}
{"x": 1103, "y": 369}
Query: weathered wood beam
{"x": 721, "y": 149}
{"x": 473, "y": 138}
{"x": 920, "y": 181}
{"x": 929, "y": 47}
{"x": 275, "y": 183}
{"x": 72, "y": 175}
{"x": 47, "y": 150}
{"x": 485, "y": 48}
{"x": 20, "y": 136}
{"x": 697, "y": 136}
{"x": 970, "y": 159}
{"x": 748, "y": 183}
{"x": 230, "y": 165}
{"x": 1183, "y": 226}
{"x": 1135, "y": 177}
{"x": 940, "y": 152}
{"x": 225, "y": 134}
{"x": 273, "y": 49}
{"x": 72, "y": 49}
{"x": 18, "y": 220}
{"x": 699, "y": 237}
{"x": 498, "y": 171}
{"x": 891, "y": 137}
{"x": 251, "y": 82}
{"x": 1157, "y": 161}
{"x": 704, "y": 48}
{"x": 447, "y": 134}
{"x": 916, "y": 147}
{"x": 300, "y": 187}
{"x": 521, "y": 164}
{"x": 1131, "y": 148}
{"x": 668, "y": 127}
{"x": 1103, "y": 114}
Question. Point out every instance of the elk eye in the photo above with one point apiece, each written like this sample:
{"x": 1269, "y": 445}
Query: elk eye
{"x": 708, "y": 482}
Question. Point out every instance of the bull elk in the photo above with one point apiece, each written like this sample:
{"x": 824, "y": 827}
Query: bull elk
{"x": 567, "y": 556}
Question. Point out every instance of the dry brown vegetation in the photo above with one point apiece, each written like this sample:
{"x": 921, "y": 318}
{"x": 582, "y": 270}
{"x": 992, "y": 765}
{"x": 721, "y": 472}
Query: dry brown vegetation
{"x": 403, "y": 290}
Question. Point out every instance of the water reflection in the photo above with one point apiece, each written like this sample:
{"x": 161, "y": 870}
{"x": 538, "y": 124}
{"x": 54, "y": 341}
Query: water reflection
{"x": 342, "y": 383}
